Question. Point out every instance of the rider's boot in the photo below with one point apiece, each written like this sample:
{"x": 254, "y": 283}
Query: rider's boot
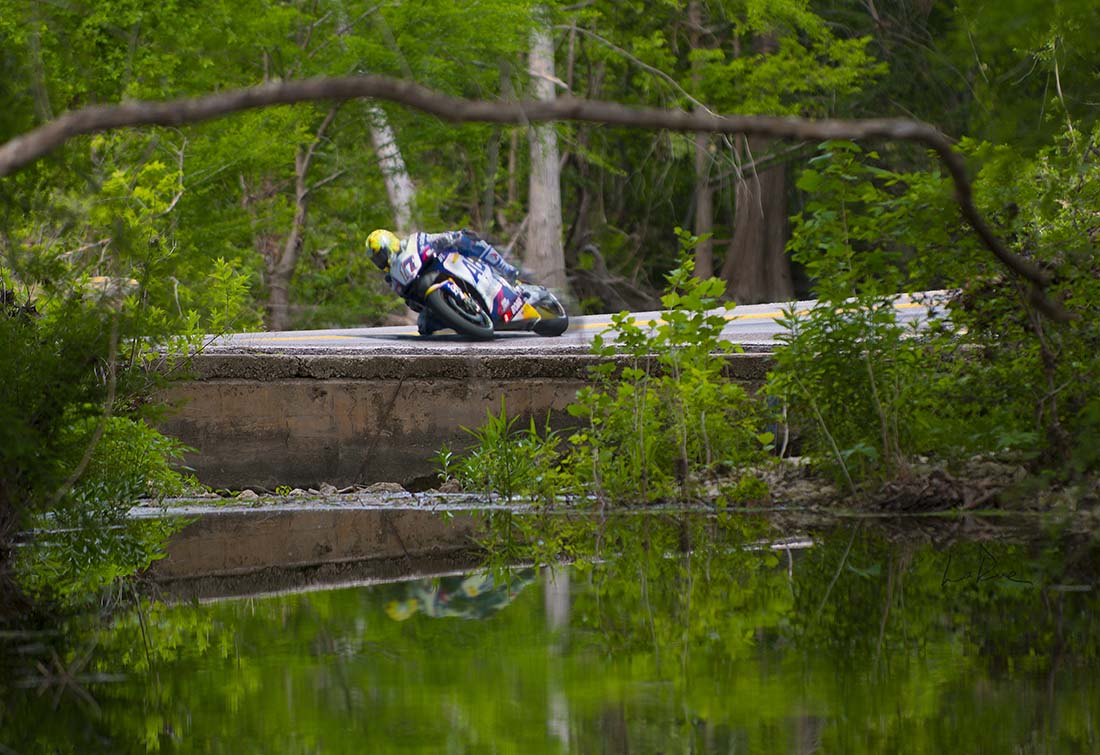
{"x": 426, "y": 324}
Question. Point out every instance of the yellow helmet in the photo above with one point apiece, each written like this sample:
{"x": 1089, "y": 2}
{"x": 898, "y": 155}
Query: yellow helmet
{"x": 399, "y": 610}
{"x": 382, "y": 245}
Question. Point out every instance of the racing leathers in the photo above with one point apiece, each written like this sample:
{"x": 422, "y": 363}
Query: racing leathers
{"x": 464, "y": 242}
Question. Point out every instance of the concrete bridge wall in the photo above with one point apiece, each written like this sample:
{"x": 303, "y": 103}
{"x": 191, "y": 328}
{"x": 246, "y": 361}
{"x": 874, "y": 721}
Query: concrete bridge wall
{"x": 267, "y": 419}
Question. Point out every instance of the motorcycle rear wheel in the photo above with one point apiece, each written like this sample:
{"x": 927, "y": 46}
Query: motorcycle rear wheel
{"x": 463, "y": 315}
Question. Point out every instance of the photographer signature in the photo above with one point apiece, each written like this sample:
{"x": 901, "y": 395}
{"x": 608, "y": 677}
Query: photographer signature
{"x": 987, "y": 570}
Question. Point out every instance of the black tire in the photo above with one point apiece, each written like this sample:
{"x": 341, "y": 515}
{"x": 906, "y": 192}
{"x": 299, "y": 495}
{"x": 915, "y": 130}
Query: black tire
{"x": 554, "y": 326}
{"x": 458, "y": 315}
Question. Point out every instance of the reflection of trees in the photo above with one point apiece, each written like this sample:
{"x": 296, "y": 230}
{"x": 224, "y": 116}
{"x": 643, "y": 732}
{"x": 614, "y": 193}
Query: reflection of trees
{"x": 988, "y": 620}
{"x": 669, "y": 608}
{"x": 675, "y": 632}
{"x": 893, "y": 640}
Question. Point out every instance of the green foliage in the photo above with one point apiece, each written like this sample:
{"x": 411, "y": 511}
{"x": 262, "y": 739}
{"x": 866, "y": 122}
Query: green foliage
{"x": 89, "y": 544}
{"x": 507, "y": 462}
{"x": 129, "y": 455}
{"x": 659, "y": 418}
{"x": 798, "y": 78}
{"x": 1039, "y": 377}
{"x": 71, "y": 472}
{"x": 997, "y": 376}
{"x": 92, "y": 299}
{"x": 863, "y": 226}
{"x": 748, "y": 488}
{"x": 1033, "y": 69}
{"x": 856, "y": 382}
{"x": 339, "y": 287}
{"x": 666, "y": 416}
{"x": 869, "y": 392}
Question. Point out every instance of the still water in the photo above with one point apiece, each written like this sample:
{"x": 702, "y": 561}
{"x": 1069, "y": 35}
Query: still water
{"x": 666, "y": 633}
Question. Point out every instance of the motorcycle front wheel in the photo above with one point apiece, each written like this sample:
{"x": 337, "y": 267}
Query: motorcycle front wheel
{"x": 553, "y": 326}
{"x": 460, "y": 313}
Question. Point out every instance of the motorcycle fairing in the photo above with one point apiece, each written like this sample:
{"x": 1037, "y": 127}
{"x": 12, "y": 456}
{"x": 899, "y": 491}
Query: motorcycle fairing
{"x": 407, "y": 265}
{"x": 505, "y": 302}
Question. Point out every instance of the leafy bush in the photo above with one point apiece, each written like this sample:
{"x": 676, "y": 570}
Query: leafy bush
{"x": 95, "y": 291}
{"x": 666, "y": 415}
{"x": 997, "y": 375}
{"x": 659, "y": 418}
{"x": 70, "y": 473}
{"x": 1038, "y": 378}
{"x": 856, "y": 383}
{"x": 505, "y": 461}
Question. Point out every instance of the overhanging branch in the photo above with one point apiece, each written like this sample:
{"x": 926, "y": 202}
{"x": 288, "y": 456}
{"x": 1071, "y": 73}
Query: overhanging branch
{"x": 39, "y": 142}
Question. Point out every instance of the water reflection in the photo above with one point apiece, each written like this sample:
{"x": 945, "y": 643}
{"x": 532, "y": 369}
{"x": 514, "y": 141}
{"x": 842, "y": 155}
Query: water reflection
{"x": 668, "y": 632}
{"x": 467, "y": 596}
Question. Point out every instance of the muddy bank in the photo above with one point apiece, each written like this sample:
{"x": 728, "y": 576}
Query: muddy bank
{"x": 978, "y": 484}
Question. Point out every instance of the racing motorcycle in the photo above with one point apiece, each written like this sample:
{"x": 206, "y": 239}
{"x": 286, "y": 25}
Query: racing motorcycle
{"x": 472, "y": 298}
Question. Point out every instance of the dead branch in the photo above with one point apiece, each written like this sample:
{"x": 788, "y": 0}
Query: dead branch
{"x": 763, "y": 163}
{"x": 326, "y": 180}
{"x": 40, "y": 141}
{"x": 175, "y": 200}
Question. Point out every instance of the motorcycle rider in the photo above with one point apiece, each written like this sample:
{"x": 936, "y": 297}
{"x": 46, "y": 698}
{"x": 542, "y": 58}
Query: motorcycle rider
{"x": 384, "y": 246}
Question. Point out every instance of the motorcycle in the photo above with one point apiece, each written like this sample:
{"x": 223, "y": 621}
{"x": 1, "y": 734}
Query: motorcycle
{"x": 473, "y": 299}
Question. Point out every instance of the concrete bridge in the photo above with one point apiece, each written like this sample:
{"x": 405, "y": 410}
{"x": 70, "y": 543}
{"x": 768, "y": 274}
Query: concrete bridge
{"x": 376, "y": 404}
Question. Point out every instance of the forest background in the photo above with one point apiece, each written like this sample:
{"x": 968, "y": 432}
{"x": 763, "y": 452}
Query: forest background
{"x": 124, "y": 240}
{"x": 280, "y": 200}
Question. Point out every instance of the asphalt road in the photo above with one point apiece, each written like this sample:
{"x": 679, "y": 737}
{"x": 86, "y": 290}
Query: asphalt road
{"x": 753, "y": 326}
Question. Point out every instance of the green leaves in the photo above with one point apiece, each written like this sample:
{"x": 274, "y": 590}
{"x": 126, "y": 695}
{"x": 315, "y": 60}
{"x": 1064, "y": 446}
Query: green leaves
{"x": 995, "y": 377}
{"x": 655, "y": 408}
{"x": 658, "y": 419}
{"x": 506, "y": 461}
{"x": 865, "y": 227}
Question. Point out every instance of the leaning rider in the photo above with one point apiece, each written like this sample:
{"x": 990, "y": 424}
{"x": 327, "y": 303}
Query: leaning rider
{"x": 383, "y": 246}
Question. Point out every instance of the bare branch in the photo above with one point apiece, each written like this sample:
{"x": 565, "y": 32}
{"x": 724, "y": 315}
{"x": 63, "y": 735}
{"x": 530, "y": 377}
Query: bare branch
{"x": 86, "y": 247}
{"x": 764, "y": 162}
{"x": 326, "y": 180}
{"x": 38, "y": 142}
{"x": 312, "y": 28}
{"x": 330, "y": 116}
{"x": 175, "y": 200}
{"x": 638, "y": 62}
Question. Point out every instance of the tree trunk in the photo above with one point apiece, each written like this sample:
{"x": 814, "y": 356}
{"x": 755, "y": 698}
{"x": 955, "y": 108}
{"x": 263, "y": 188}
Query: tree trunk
{"x": 281, "y": 268}
{"x": 704, "y": 209}
{"x": 704, "y": 194}
{"x": 544, "y": 256}
{"x": 399, "y": 187}
{"x": 489, "y": 191}
{"x": 756, "y": 268}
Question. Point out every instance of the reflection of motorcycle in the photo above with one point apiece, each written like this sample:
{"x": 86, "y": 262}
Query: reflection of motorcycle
{"x": 470, "y": 596}
{"x": 470, "y": 297}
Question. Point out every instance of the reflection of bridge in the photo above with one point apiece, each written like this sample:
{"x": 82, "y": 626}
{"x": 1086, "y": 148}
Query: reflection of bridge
{"x": 304, "y": 543}
{"x": 301, "y": 544}
{"x": 375, "y": 404}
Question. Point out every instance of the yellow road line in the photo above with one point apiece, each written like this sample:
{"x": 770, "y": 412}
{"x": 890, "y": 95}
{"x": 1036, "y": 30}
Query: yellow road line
{"x": 731, "y": 317}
